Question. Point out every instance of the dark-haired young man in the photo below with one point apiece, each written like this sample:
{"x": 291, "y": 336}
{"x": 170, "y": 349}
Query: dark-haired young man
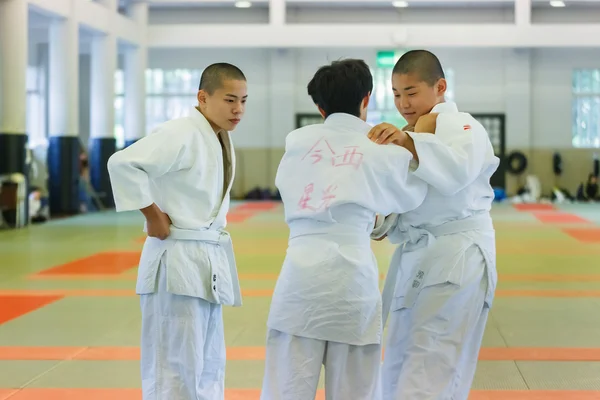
{"x": 326, "y": 308}
{"x": 180, "y": 177}
{"x": 447, "y": 255}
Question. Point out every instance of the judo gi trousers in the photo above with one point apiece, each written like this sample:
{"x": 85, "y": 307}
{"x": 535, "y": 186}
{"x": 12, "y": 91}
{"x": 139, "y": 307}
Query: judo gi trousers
{"x": 293, "y": 367}
{"x": 182, "y": 346}
{"x": 432, "y": 346}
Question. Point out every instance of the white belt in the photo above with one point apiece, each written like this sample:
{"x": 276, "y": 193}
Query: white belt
{"x": 337, "y": 232}
{"x": 220, "y": 238}
{"x": 412, "y": 235}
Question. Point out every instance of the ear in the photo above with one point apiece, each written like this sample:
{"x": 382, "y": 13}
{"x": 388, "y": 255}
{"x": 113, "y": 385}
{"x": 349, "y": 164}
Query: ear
{"x": 441, "y": 86}
{"x": 366, "y": 101}
{"x": 201, "y": 96}
{"x": 321, "y": 111}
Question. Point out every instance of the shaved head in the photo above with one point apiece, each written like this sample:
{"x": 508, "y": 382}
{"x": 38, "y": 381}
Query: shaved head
{"x": 215, "y": 75}
{"x": 422, "y": 63}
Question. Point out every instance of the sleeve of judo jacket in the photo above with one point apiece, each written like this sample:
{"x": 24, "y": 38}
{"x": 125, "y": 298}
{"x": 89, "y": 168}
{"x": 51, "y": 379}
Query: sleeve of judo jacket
{"x": 403, "y": 191}
{"x": 132, "y": 168}
{"x": 454, "y": 156}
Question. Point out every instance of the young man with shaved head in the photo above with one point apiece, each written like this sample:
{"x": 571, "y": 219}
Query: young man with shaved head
{"x": 180, "y": 177}
{"x": 443, "y": 275}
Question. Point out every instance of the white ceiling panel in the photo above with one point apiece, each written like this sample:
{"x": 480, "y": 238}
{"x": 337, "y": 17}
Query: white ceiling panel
{"x": 364, "y": 3}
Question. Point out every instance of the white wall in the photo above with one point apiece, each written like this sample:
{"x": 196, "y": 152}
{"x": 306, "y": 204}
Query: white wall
{"x": 482, "y": 84}
{"x": 254, "y": 129}
{"x": 551, "y": 93}
{"x": 492, "y": 14}
{"x": 533, "y": 87}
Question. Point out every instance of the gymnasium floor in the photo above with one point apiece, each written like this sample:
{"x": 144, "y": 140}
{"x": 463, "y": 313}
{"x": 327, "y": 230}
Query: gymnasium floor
{"x": 69, "y": 318}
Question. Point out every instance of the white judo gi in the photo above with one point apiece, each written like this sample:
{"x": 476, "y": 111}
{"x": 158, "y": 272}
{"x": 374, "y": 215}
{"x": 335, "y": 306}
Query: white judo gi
{"x": 187, "y": 170}
{"x": 445, "y": 265}
{"x": 326, "y": 308}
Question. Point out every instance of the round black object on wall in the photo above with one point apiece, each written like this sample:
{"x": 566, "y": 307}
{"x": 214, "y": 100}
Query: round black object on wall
{"x": 516, "y": 163}
{"x": 557, "y": 164}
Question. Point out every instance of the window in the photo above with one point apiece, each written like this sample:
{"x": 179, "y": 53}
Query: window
{"x": 169, "y": 94}
{"x": 586, "y": 108}
{"x": 36, "y": 107}
{"x": 382, "y": 107}
{"x": 120, "y": 108}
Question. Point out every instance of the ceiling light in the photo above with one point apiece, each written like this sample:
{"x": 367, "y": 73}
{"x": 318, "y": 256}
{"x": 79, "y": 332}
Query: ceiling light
{"x": 243, "y": 4}
{"x": 400, "y": 4}
{"x": 557, "y": 3}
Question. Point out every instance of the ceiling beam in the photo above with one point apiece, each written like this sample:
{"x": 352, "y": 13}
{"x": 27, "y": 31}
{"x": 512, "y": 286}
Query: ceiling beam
{"x": 379, "y": 35}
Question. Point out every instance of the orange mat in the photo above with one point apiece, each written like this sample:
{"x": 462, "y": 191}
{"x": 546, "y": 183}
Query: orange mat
{"x": 584, "y": 235}
{"x": 257, "y": 206}
{"x": 257, "y": 353}
{"x": 237, "y": 217}
{"x": 254, "y": 394}
{"x": 15, "y": 306}
{"x": 559, "y": 218}
{"x": 549, "y": 277}
{"x": 110, "y": 263}
{"x": 534, "y": 207}
{"x": 269, "y": 293}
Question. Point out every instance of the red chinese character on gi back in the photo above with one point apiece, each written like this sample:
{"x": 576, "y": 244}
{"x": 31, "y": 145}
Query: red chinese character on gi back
{"x": 328, "y": 196}
{"x": 305, "y": 199}
{"x": 316, "y": 153}
{"x": 350, "y": 157}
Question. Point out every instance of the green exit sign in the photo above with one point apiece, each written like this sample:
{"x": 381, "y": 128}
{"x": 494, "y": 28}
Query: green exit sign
{"x": 388, "y": 58}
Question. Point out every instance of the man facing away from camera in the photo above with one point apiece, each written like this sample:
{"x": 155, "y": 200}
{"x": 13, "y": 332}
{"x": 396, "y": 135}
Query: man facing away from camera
{"x": 326, "y": 308}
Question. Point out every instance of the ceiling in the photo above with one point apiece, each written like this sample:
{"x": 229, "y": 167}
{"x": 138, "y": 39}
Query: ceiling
{"x": 365, "y": 4}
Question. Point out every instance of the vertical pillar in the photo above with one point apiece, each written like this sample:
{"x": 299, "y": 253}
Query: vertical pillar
{"x": 13, "y": 89}
{"x": 102, "y": 114}
{"x": 64, "y": 147}
{"x": 282, "y": 82}
{"x": 136, "y": 60}
{"x": 519, "y": 135}
{"x": 13, "y": 99}
{"x": 523, "y": 12}
{"x": 277, "y": 12}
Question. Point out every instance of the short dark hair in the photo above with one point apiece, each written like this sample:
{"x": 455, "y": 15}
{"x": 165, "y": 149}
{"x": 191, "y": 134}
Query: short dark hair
{"x": 213, "y": 76}
{"x": 422, "y": 62}
{"x": 341, "y": 86}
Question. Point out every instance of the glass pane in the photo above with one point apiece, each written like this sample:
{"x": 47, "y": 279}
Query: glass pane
{"x": 119, "y": 82}
{"x": 154, "y": 112}
{"x": 35, "y": 120}
{"x": 381, "y": 85}
{"x": 157, "y": 81}
{"x": 373, "y": 101}
{"x": 32, "y": 79}
{"x": 149, "y": 82}
{"x": 596, "y": 81}
{"x": 582, "y": 119}
{"x": 186, "y": 80}
{"x": 575, "y": 81}
{"x": 450, "y": 84}
{"x": 374, "y": 117}
{"x": 393, "y": 117}
{"x": 389, "y": 93}
{"x": 594, "y": 128}
{"x": 574, "y": 122}
{"x": 585, "y": 81}
{"x": 196, "y": 76}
